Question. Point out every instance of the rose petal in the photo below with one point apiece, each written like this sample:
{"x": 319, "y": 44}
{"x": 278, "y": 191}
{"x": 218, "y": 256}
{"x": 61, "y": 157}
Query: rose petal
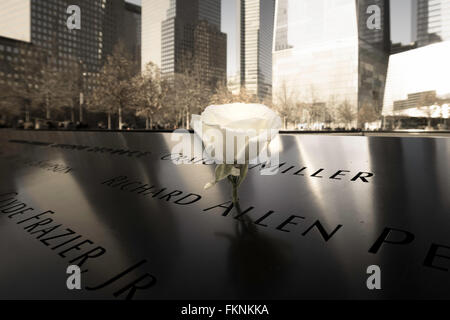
{"x": 235, "y": 172}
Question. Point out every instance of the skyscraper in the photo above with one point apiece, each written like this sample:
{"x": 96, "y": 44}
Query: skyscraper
{"x": 326, "y": 55}
{"x": 181, "y": 34}
{"x": 15, "y": 21}
{"x": 154, "y": 12}
{"x": 43, "y": 25}
{"x": 417, "y": 85}
{"x": 373, "y": 57}
{"x": 433, "y": 21}
{"x": 414, "y": 15}
{"x": 131, "y": 31}
{"x": 234, "y": 46}
{"x": 256, "y": 41}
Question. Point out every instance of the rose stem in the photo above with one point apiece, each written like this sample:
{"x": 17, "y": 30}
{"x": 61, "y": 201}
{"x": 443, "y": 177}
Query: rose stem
{"x": 235, "y": 193}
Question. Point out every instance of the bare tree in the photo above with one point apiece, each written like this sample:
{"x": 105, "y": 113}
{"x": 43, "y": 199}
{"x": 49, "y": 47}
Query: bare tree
{"x": 8, "y": 107}
{"x": 245, "y": 96}
{"x": 116, "y": 90}
{"x": 346, "y": 113}
{"x": 285, "y": 103}
{"x": 192, "y": 96}
{"x": 99, "y": 103}
{"x": 191, "y": 92}
{"x": 367, "y": 113}
{"x": 332, "y": 109}
{"x": 22, "y": 90}
{"x": 72, "y": 89}
{"x": 151, "y": 93}
{"x": 37, "y": 83}
{"x": 316, "y": 109}
{"x": 222, "y": 95}
{"x": 315, "y": 112}
{"x": 55, "y": 89}
{"x": 300, "y": 113}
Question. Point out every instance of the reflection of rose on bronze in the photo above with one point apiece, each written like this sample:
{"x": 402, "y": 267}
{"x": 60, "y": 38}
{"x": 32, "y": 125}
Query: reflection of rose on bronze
{"x": 234, "y": 136}
{"x": 258, "y": 264}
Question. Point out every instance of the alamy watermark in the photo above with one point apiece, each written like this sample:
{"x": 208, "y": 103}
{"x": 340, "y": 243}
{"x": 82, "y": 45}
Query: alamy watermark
{"x": 216, "y": 146}
{"x": 74, "y": 280}
{"x": 374, "y": 280}
{"x": 74, "y": 20}
{"x": 374, "y": 21}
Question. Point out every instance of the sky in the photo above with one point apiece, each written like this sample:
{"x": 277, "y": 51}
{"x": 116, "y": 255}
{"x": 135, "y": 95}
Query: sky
{"x": 400, "y": 26}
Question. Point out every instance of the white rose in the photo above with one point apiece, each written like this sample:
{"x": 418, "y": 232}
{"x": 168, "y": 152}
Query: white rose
{"x": 249, "y": 129}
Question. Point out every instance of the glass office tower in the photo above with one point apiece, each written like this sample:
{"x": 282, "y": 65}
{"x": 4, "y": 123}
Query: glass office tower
{"x": 181, "y": 34}
{"x": 417, "y": 85}
{"x": 132, "y": 31}
{"x": 325, "y": 55}
{"x": 417, "y": 91}
{"x": 256, "y": 41}
{"x": 43, "y": 25}
{"x": 154, "y": 12}
{"x": 433, "y": 21}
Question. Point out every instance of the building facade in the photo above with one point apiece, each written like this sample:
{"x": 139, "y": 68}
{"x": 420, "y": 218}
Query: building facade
{"x": 417, "y": 85}
{"x": 417, "y": 89}
{"x": 44, "y": 28}
{"x": 326, "y": 56}
{"x": 179, "y": 35}
{"x": 15, "y": 21}
{"x": 255, "y": 42}
{"x": 131, "y": 31}
{"x": 433, "y": 21}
